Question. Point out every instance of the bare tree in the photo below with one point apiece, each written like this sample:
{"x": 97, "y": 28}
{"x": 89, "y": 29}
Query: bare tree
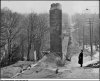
{"x": 35, "y": 30}
{"x": 10, "y": 26}
{"x": 42, "y": 29}
{"x": 82, "y": 20}
{"x": 31, "y": 31}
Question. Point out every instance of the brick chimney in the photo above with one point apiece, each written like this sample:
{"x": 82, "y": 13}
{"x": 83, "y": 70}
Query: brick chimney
{"x": 56, "y": 28}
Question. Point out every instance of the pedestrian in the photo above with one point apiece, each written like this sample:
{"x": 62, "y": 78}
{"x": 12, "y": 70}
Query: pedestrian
{"x": 80, "y": 61}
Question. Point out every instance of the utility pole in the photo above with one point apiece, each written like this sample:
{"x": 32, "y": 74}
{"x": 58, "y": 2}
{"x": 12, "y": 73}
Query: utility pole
{"x": 83, "y": 37}
{"x": 91, "y": 35}
{"x": 78, "y": 35}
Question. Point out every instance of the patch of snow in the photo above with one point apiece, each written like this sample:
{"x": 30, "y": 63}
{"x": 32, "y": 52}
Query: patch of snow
{"x": 96, "y": 55}
{"x": 90, "y": 62}
{"x": 10, "y": 71}
{"x": 95, "y": 70}
{"x": 59, "y": 70}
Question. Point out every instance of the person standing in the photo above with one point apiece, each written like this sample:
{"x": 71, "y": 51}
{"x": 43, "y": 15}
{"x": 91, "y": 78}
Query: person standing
{"x": 80, "y": 61}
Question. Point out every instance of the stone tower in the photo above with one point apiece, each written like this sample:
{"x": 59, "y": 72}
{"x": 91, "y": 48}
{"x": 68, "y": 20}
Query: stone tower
{"x": 56, "y": 28}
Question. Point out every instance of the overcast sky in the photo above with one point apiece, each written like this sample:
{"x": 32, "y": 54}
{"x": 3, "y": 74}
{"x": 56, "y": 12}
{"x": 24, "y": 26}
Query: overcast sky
{"x": 70, "y": 7}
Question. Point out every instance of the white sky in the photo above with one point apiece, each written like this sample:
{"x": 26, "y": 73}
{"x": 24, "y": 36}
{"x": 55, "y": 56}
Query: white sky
{"x": 70, "y": 7}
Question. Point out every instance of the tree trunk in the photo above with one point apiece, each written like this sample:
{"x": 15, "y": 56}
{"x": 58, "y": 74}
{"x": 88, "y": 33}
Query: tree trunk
{"x": 9, "y": 51}
{"x": 37, "y": 48}
{"x": 22, "y": 50}
{"x": 28, "y": 45}
{"x": 29, "y": 48}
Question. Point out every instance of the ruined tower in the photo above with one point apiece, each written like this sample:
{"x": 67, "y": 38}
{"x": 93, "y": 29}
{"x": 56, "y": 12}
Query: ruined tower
{"x": 56, "y": 28}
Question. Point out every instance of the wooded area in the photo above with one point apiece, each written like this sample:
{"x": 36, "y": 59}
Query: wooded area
{"x": 82, "y": 24}
{"x": 25, "y": 36}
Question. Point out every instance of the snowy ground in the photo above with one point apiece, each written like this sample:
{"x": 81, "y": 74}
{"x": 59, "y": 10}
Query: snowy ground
{"x": 78, "y": 72}
{"x": 71, "y": 70}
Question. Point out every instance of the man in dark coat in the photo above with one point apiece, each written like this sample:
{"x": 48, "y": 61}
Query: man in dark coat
{"x": 80, "y": 61}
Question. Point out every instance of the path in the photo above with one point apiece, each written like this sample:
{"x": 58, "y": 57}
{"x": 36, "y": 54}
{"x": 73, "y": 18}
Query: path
{"x": 78, "y": 72}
